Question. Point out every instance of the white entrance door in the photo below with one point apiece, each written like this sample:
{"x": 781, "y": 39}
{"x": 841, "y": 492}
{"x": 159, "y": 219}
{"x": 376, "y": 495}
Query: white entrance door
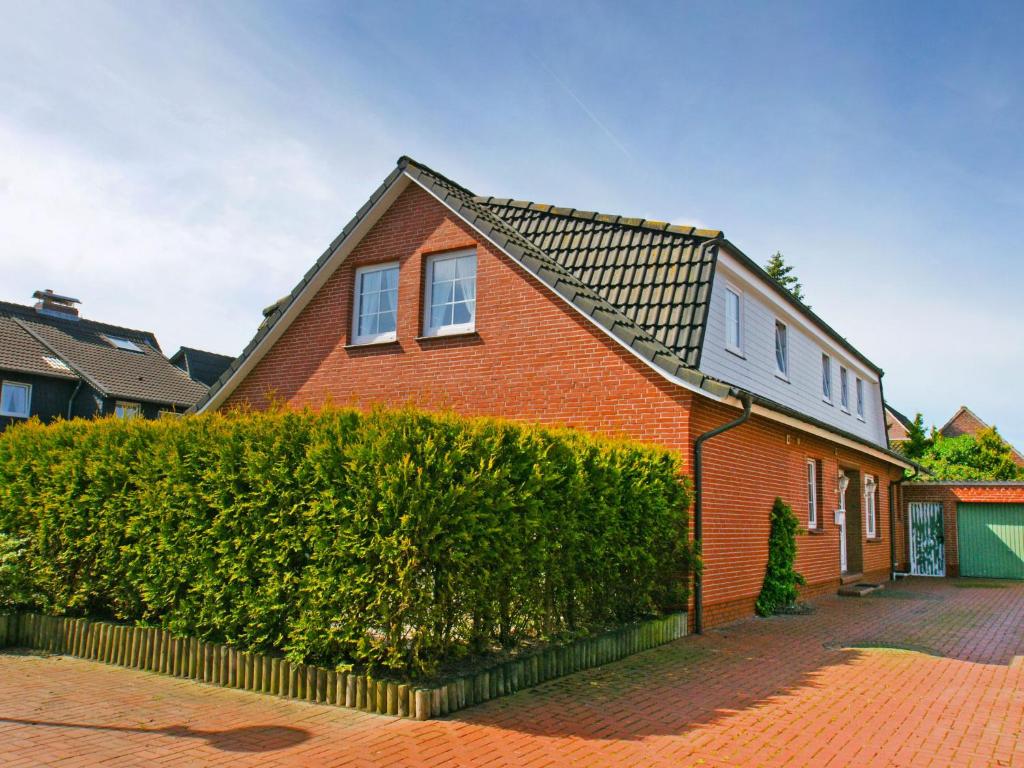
{"x": 927, "y": 540}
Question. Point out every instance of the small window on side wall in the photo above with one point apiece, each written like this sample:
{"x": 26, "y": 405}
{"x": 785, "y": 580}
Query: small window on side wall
{"x": 15, "y": 399}
{"x": 376, "y": 304}
{"x": 826, "y": 378}
{"x": 844, "y": 389}
{"x": 734, "y": 321}
{"x": 860, "y": 398}
{"x": 812, "y": 493}
{"x": 450, "y": 301}
{"x": 781, "y": 350}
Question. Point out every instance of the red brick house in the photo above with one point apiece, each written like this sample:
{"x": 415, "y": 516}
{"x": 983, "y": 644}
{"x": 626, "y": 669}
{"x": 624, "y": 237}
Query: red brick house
{"x": 435, "y": 296}
{"x": 966, "y": 422}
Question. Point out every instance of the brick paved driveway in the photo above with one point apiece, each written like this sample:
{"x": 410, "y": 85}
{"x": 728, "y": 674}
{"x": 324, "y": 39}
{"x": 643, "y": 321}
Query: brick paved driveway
{"x": 928, "y": 674}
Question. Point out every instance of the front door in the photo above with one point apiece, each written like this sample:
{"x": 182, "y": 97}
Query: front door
{"x": 927, "y": 542}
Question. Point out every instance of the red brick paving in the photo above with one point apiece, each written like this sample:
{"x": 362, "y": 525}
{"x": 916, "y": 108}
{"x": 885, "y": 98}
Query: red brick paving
{"x": 926, "y": 676}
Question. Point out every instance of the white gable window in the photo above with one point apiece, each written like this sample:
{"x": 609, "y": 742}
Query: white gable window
{"x": 812, "y": 493}
{"x": 870, "y": 505}
{"x": 734, "y": 320}
{"x": 826, "y": 378}
{"x": 450, "y": 303}
{"x": 844, "y": 388}
{"x": 781, "y": 350}
{"x": 376, "y": 304}
{"x": 15, "y": 399}
{"x": 860, "y": 398}
{"x": 125, "y": 410}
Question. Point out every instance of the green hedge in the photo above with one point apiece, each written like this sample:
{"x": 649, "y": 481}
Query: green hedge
{"x": 396, "y": 540}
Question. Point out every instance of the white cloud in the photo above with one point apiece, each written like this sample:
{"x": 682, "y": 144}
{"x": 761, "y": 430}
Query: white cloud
{"x": 193, "y": 264}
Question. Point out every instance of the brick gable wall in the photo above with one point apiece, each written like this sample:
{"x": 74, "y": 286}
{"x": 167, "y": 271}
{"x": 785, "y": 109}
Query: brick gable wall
{"x": 532, "y": 358}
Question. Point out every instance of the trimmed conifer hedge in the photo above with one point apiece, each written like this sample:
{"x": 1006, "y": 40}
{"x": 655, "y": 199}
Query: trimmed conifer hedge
{"x": 395, "y": 540}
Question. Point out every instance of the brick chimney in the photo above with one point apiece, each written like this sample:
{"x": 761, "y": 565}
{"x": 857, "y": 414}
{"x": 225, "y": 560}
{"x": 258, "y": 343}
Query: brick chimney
{"x": 55, "y": 305}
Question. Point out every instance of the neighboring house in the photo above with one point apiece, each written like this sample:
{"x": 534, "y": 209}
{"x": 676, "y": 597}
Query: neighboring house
{"x": 661, "y": 333}
{"x": 54, "y": 363}
{"x": 966, "y": 422}
{"x": 204, "y": 367}
{"x": 897, "y": 426}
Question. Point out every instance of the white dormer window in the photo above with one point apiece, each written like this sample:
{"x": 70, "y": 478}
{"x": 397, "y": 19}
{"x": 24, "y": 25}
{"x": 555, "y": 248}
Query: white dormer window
{"x": 826, "y": 378}
{"x": 15, "y": 399}
{"x": 450, "y": 302}
{"x": 733, "y": 320}
{"x": 376, "y": 304}
{"x": 860, "y": 399}
{"x": 781, "y": 350}
{"x": 844, "y": 388}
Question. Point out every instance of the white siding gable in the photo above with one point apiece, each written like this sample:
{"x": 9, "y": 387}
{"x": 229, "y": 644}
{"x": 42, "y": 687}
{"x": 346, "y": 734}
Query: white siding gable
{"x": 755, "y": 367}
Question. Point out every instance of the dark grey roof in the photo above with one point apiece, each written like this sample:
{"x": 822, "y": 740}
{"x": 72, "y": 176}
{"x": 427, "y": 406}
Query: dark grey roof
{"x": 21, "y": 352}
{"x": 659, "y": 275}
{"x": 202, "y": 366}
{"x": 145, "y": 376}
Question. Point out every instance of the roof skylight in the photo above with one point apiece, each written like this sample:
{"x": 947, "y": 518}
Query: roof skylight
{"x": 122, "y": 343}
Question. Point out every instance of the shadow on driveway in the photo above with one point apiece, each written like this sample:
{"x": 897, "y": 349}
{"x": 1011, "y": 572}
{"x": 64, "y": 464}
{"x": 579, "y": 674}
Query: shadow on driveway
{"x": 250, "y": 738}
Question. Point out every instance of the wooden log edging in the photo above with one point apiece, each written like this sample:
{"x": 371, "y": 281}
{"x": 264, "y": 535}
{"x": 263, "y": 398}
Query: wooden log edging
{"x": 156, "y": 650}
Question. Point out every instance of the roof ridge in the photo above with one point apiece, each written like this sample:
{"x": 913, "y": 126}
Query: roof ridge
{"x": 405, "y": 161}
{"x": 607, "y": 218}
{"x": 81, "y": 322}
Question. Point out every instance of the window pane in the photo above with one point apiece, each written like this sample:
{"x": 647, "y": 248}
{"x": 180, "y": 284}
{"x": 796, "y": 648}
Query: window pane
{"x": 732, "y": 305}
{"x": 14, "y": 399}
{"x": 461, "y": 314}
{"x": 371, "y": 282}
{"x": 860, "y": 397}
{"x": 445, "y": 269}
{"x": 826, "y": 376}
{"x": 386, "y": 322}
{"x": 780, "y": 348}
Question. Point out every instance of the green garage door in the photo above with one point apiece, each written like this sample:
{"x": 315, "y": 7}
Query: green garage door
{"x": 991, "y": 540}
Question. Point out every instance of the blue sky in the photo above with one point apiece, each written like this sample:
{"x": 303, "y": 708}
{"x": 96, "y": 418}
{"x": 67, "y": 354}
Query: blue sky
{"x": 179, "y": 166}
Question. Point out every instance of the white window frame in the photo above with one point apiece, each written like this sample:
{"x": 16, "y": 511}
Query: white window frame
{"x": 844, "y": 388}
{"x": 357, "y": 300}
{"x": 128, "y": 404}
{"x": 736, "y": 349}
{"x": 860, "y": 398}
{"x": 812, "y": 494}
{"x": 782, "y": 373}
{"x": 28, "y": 399}
{"x": 826, "y": 365}
{"x": 428, "y": 285}
{"x": 871, "y": 506}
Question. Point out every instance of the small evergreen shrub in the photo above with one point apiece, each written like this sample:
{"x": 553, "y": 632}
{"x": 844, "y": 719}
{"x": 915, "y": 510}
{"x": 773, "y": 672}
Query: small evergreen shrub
{"x": 395, "y": 540}
{"x": 780, "y": 579}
